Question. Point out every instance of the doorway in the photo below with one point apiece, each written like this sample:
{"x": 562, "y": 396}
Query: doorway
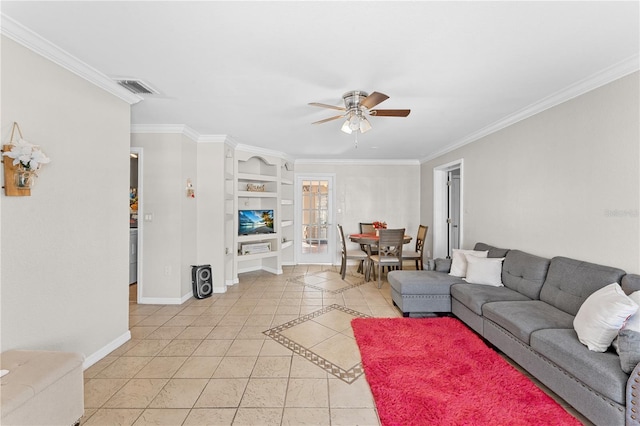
{"x": 447, "y": 208}
{"x": 315, "y": 235}
{"x": 135, "y": 225}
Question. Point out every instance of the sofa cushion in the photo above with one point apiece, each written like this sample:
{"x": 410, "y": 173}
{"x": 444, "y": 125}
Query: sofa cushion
{"x": 598, "y": 370}
{"x": 421, "y": 282}
{"x": 569, "y": 282}
{"x": 474, "y": 296}
{"x": 523, "y": 318}
{"x": 602, "y": 315}
{"x": 524, "y": 272}
{"x": 628, "y": 349}
{"x": 493, "y": 251}
{"x": 631, "y": 283}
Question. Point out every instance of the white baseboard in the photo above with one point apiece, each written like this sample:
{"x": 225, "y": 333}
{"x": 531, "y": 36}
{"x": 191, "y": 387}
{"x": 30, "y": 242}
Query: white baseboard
{"x": 163, "y": 300}
{"x": 186, "y": 297}
{"x": 106, "y": 350}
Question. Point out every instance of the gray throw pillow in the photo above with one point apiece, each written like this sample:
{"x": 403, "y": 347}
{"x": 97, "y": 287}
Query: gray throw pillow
{"x": 443, "y": 265}
{"x": 628, "y": 349}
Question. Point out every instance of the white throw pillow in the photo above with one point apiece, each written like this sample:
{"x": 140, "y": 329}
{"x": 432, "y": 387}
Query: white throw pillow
{"x": 459, "y": 261}
{"x": 602, "y": 315}
{"x": 485, "y": 271}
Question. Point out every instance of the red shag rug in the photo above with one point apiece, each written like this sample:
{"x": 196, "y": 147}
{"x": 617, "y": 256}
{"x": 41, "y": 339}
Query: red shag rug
{"x": 435, "y": 371}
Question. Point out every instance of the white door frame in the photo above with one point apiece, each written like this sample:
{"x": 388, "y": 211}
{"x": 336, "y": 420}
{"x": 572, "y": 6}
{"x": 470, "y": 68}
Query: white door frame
{"x": 138, "y": 151}
{"x": 331, "y": 232}
{"x": 440, "y": 206}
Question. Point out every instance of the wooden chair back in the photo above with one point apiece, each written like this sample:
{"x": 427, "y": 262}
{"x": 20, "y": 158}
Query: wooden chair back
{"x": 391, "y": 242}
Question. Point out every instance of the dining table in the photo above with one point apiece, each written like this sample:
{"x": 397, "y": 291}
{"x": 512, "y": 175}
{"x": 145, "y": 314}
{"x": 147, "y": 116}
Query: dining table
{"x": 367, "y": 240}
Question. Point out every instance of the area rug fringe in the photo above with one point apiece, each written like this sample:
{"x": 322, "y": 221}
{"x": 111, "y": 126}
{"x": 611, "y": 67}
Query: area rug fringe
{"x": 435, "y": 371}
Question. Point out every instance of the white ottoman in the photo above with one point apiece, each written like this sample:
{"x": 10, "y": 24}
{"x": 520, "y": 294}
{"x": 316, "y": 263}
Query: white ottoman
{"x": 41, "y": 388}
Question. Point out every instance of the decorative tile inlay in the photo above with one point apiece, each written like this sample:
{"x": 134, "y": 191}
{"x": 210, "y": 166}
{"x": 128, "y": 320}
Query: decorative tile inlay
{"x": 329, "y": 281}
{"x": 347, "y": 375}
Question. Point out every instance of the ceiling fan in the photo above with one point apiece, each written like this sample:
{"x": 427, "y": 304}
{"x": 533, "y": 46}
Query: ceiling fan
{"x": 357, "y": 106}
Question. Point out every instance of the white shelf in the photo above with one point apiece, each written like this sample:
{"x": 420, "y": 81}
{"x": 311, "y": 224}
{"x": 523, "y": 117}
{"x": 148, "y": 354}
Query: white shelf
{"x": 256, "y": 178}
{"x": 256, "y": 194}
{"x": 245, "y": 257}
{"x": 287, "y": 244}
{"x": 257, "y": 237}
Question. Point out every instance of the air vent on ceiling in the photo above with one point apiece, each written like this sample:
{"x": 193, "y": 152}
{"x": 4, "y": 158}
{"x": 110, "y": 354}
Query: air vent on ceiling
{"x": 137, "y": 86}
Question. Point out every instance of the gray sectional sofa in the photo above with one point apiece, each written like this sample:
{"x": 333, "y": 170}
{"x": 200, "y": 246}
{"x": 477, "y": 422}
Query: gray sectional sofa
{"x": 530, "y": 319}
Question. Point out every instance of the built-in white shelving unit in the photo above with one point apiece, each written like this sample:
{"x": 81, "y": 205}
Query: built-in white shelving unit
{"x": 230, "y": 274}
{"x": 286, "y": 213}
{"x": 257, "y": 187}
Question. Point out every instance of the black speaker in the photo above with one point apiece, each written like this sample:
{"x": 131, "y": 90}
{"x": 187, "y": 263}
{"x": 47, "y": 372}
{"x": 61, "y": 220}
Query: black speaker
{"x": 202, "y": 281}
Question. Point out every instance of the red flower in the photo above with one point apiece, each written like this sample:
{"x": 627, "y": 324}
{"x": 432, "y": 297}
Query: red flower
{"x": 380, "y": 225}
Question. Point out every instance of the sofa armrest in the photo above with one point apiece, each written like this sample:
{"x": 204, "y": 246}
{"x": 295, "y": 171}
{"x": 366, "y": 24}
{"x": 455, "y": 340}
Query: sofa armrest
{"x": 633, "y": 398}
{"x": 442, "y": 265}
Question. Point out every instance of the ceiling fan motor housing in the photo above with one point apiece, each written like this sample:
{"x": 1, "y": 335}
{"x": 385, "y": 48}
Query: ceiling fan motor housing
{"x": 353, "y": 99}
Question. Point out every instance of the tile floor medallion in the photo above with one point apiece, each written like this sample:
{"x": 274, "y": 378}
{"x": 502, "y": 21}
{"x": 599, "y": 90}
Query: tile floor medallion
{"x": 325, "y": 338}
{"x": 329, "y": 281}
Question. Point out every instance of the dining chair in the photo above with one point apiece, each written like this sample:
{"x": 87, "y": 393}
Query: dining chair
{"x": 350, "y": 254}
{"x": 368, "y": 228}
{"x": 419, "y": 251}
{"x": 389, "y": 251}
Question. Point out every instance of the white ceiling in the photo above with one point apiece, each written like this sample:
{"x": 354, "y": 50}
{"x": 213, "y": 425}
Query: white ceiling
{"x": 249, "y": 69}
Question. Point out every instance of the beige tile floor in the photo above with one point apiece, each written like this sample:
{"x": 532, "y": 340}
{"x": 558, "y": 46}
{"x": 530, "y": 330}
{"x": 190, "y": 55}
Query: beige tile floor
{"x": 272, "y": 350}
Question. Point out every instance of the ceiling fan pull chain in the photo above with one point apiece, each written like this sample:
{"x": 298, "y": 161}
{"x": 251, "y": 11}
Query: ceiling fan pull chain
{"x": 356, "y": 133}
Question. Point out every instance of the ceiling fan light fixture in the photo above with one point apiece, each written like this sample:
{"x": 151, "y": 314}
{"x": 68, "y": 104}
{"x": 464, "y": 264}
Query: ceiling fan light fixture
{"x": 365, "y": 126}
{"x": 346, "y": 128}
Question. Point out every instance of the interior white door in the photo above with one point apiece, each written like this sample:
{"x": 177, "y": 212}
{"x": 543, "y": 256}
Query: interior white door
{"x": 315, "y": 235}
{"x": 454, "y": 210}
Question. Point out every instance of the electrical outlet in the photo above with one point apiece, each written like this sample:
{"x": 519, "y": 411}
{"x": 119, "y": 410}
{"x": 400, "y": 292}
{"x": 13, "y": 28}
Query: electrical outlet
{"x": 167, "y": 270}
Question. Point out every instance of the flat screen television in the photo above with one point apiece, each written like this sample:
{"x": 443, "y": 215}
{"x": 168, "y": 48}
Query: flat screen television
{"x": 252, "y": 222}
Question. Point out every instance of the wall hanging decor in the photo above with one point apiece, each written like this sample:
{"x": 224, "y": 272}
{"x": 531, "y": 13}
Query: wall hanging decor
{"x": 21, "y": 160}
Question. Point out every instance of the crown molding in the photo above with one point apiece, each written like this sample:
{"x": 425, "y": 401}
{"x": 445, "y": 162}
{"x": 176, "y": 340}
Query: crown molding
{"x": 599, "y": 79}
{"x": 261, "y": 151}
{"x": 183, "y": 129}
{"x": 36, "y": 43}
{"x": 355, "y": 162}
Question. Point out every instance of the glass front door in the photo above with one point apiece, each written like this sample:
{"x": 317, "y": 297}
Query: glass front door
{"x": 317, "y": 237}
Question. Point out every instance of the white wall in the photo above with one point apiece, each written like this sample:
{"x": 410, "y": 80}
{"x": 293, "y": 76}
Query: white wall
{"x": 565, "y": 182}
{"x": 211, "y": 221}
{"x": 169, "y": 237}
{"x": 382, "y": 191}
{"x": 183, "y": 231}
{"x": 65, "y": 269}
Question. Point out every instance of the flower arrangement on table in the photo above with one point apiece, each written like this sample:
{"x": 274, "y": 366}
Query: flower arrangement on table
{"x": 379, "y": 225}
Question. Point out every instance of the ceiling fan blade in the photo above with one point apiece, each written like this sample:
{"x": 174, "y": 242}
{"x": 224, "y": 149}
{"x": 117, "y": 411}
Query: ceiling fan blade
{"x": 390, "y": 112}
{"x": 328, "y": 119}
{"x": 318, "y": 104}
{"x": 373, "y": 99}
